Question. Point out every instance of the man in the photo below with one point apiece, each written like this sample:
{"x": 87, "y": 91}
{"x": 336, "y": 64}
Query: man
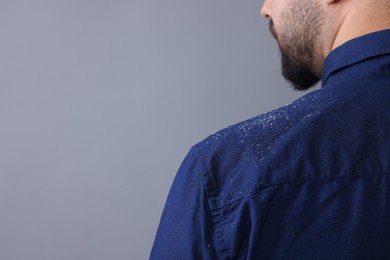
{"x": 310, "y": 180}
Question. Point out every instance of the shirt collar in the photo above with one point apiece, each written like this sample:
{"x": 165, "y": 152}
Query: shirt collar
{"x": 355, "y": 51}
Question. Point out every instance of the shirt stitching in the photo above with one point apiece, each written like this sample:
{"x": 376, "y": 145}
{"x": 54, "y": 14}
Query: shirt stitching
{"x": 221, "y": 245}
{"x": 300, "y": 182}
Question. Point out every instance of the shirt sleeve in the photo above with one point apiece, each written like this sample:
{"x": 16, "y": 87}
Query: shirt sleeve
{"x": 186, "y": 229}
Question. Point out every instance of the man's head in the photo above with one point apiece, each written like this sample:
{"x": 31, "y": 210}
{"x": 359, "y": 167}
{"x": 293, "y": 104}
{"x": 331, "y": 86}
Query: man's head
{"x": 307, "y": 30}
{"x": 298, "y": 27}
{"x": 299, "y": 33}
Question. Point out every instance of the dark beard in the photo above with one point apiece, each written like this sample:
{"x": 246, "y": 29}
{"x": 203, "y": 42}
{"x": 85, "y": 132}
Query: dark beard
{"x": 298, "y": 57}
{"x": 299, "y": 74}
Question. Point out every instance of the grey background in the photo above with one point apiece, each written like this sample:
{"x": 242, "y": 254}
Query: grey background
{"x": 99, "y": 103}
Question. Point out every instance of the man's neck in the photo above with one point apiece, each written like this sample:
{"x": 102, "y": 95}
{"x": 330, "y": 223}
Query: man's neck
{"x": 359, "y": 21}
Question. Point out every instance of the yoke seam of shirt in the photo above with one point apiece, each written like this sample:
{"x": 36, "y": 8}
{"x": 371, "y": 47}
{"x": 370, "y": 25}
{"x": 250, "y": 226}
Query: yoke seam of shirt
{"x": 257, "y": 189}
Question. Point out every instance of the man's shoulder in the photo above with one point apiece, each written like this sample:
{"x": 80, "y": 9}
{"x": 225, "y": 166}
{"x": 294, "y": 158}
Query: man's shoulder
{"x": 239, "y": 158}
{"x": 325, "y": 134}
{"x": 258, "y": 134}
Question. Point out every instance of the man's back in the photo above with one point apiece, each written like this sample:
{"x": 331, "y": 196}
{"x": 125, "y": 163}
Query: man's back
{"x": 307, "y": 181}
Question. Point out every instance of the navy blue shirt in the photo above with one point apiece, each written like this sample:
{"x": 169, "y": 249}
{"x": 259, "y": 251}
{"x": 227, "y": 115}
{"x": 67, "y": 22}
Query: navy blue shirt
{"x": 310, "y": 180}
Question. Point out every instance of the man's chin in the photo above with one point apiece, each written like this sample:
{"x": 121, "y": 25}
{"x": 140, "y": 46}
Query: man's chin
{"x": 300, "y": 79}
{"x": 301, "y": 76}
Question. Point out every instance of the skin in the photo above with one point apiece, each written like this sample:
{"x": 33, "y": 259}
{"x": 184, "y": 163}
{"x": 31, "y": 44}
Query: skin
{"x": 308, "y": 30}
